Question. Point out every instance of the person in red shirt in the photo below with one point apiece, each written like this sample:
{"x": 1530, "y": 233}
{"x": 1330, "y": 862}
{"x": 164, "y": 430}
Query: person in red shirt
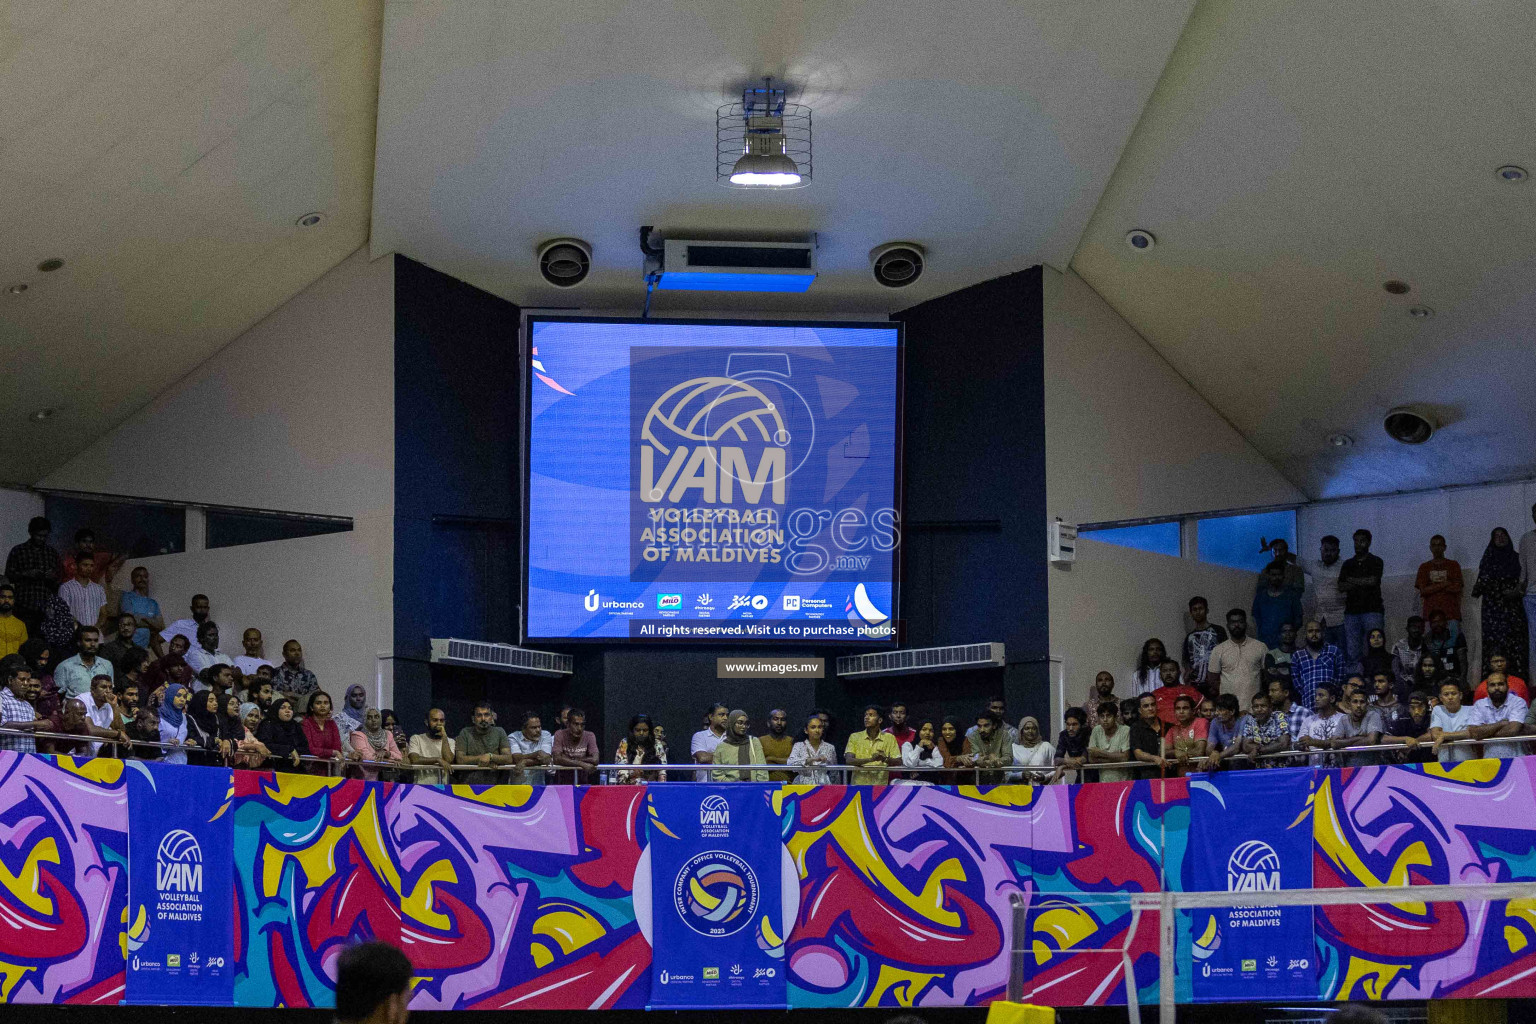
{"x": 898, "y": 728}
{"x": 1498, "y": 661}
{"x": 1171, "y": 690}
{"x": 1185, "y": 738}
{"x": 1439, "y": 584}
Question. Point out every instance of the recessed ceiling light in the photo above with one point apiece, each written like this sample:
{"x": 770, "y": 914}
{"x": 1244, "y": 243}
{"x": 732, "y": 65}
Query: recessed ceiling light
{"x": 49, "y": 266}
{"x": 1421, "y": 312}
{"x": 1512, "y": 172}
{"x": 1140, "y": 240}
{"x": 17, "y": 289}
{"x": 310, "y": 220}
{"x": 1340, "y": 440}
{"x": 1397, "y": 287}
{"x": 42, "y": 414}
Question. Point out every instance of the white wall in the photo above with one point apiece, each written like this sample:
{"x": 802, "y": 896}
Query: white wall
{"x": 297, "y": 414}
{"x": 16, "y": 507}
{"x": 1401, "y": 526}
{"x": 1125, "y": 436}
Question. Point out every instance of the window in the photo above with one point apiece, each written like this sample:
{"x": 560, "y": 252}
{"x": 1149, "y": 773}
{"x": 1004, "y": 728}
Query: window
{"x": 1162, "y": 538}
{"x": 226, "y": 529}
{"x": 130, "y": 529}
{"x": 1235, "y": 540}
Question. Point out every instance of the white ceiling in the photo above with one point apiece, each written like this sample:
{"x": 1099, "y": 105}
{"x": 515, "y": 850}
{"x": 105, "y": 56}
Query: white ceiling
{"x": 986, "y": 132}
{"x": 1289, "y": 158}
{"x": 1295, "y": 157}
{"x": 164, "y": 150}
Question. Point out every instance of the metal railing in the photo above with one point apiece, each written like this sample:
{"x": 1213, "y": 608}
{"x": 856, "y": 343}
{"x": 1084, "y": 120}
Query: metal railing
{"x": 839, "y": 772}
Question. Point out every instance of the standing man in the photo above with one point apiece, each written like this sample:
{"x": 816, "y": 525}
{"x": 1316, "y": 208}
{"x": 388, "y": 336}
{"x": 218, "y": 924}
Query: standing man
{"x": 188, "y": 627}
{"x": 1407, "y": 653}
{"x": 708, "y": 738}
{"x": 1360, "y": 583}
{"x": 532, "y": 749}
{"x": 434, "y": 746}
{"x": 104, "y": 565}
{"x": 250, "y": 658}
{"x": 1500, "y": 713}
{"x": 206, "y": 651}
{"x": 292, "y": 678}
{"x": 73, "y": 675}
{"x": 1274, "y": 605}
{"x": 872, "y": 749}
{"x": 1236, "y": 664}
{"x": 13, "y": 632}
{"x": 140, "y": 605}
{"x": 1439, "y": 585}
{"x": 1199, "y": 642}
{"x": 85, "y": 596}
{"x": 1325, "y": 590}
{"x": 778, "y": 743}
{"x": 575, "y": 747}
{"x": 483, "y": 744}
{"x": 36, "y": 571}
{"x": 1317, "y": 664}
{"x": 17, "y": 692}
{"x": 1527, "y": 573}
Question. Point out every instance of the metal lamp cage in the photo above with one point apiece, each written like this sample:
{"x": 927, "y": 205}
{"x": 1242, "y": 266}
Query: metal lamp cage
{"x": 731, "y": 127}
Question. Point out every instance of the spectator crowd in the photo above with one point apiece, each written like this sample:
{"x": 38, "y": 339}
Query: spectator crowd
{"x": 85, "y": 671}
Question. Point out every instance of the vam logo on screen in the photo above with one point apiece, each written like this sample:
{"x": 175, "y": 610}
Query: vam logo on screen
{"x": 709, "y": 430}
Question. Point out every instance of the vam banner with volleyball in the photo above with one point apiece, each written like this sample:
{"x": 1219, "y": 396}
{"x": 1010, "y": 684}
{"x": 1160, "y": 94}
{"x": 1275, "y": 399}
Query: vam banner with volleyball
{"x": 1251, "y": 831}
{"x": 717, "y": 915}
{"x": 180, "y": 879}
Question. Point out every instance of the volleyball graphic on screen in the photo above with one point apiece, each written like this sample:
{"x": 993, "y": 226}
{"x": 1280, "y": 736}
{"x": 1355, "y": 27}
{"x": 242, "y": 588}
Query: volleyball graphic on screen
{"x": 713, "y": 410}
{"x": 716, "y": 893}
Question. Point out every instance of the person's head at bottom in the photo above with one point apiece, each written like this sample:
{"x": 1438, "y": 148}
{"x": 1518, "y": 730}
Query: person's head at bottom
{"x": 1357, "y": 1014}
{"x": 373, "y": 985}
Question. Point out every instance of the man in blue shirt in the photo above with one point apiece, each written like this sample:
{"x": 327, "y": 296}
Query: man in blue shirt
{"x": 1316, "y": 663}
{"x": 1274, "y": 605}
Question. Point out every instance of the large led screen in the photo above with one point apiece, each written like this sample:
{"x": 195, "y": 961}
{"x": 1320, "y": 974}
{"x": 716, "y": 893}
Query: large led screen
{"x": 700, "y": 480}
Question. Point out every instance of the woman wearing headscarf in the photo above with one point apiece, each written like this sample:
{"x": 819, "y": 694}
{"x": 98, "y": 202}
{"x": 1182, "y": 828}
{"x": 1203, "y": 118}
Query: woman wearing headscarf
{"x": 1378, "y": 658}
{"x": 230, "y": 730}
{"x": 1034, "y": 753}
{"x": 173, "y": 722}
{"x": 738, "y": 747}
{"x": 250, "y": 752}
{"x": 922, "y": 751}
{"x": 373, "y": 742}
{"x": 353, "y": 703}
{"x": 1503, "y": 611}
{"x": 392, "y": 723}
{"x": 640, "y": 748}
{"x": 283, "y": 737}
{"x": 321, "y": 732}
{"x": 203, "y": 728}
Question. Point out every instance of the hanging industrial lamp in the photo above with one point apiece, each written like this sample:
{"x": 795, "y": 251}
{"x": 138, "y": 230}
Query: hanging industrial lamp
{"x": 763, "y": 141}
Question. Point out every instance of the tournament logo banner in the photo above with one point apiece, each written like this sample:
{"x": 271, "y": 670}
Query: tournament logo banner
{"x": 1251, "y": 831}
{"x": 180, "y": 885}
{"x": 717, "y": 934}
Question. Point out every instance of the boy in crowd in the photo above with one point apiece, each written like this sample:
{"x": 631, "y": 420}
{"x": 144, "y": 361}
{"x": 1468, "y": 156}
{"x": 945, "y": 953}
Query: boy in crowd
{"x": 1452, "y": 720}
{"x": 1384, "y": 696}
{"x": 1326, "y": 723}
{"x": 1266, "y": 731}
{"x": 1110, "y": 743}
{"x": 1199, "y": 642}
{"x": 1224, "y": 735}
{"x": 1277, "y": 662}
{"x": 1172, "y": 689}
{"x": 1411, "y": 728}
{"x": 1186, "y": 738}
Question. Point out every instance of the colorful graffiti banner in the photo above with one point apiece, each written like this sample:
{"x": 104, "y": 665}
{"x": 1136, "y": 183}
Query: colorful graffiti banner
{"x": 716, "y": 916}
{"x": 180, "y": 876}
{"x": 508, "y": 897}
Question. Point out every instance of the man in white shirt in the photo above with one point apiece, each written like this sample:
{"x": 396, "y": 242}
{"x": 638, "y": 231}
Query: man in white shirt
{"x": 249, "y": 661}
{"x": 434, "y": 746}
{"x": 1528, "y": 573}
{"x": 188, "y": 627}
{"x": 1326, "y": 724}
{"x": 708, "y": 738}
{"x": 1237, "y": 663}
{"x": 84, "y": 595}
{"x": 1450, "y": 721}
{"x": 206, "y": 651}
{"x": 1501, "y": 713}
{"x": 101, "y": 708}
{"x": 531, "y": 747}
{"x": 1325, "y": 590}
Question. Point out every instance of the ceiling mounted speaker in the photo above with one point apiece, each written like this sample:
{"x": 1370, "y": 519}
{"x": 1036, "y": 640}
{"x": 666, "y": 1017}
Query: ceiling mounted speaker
{"x": 565, "y": 262}
{"x": 897, "y": 264}
{"x": 1409, "y": 425}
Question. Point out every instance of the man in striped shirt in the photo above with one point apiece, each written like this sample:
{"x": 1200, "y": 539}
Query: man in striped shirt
{"x": 16, "y": 711}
